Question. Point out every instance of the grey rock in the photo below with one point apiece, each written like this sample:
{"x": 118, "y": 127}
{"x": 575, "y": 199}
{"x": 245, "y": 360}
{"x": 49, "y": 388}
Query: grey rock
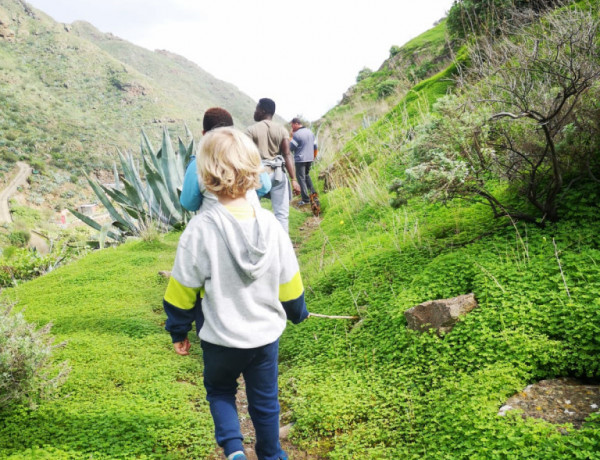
{"x": 441, "y": 314}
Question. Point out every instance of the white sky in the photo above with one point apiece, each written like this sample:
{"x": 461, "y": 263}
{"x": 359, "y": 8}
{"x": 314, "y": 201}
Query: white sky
{"x": 303, "y": 55}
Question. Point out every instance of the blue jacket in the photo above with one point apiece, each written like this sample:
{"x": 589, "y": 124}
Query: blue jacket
{"x": 191, "y": 198}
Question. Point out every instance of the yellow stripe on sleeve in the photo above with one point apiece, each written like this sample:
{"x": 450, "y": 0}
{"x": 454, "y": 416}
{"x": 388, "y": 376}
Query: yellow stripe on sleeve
{"x": 181, "y": 296}
{"x": 292, "y": 289}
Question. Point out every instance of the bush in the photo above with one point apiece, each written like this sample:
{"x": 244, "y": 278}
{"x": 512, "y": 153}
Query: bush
{"x": 26, "y": 371}
{"x": 19, "y": 238}
{"x": 364, "y": 73}
{"x": 386, "y": 87}
{"x": 485, "y": 16}
{"x": 25, "y": 265}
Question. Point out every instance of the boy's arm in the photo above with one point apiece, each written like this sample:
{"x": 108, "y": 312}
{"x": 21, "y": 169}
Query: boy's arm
{"x": 291, "y": 296}
{"x": 191, "y": 198}
{"x": 291, "y": 289}
{"x": 180, "y": 304}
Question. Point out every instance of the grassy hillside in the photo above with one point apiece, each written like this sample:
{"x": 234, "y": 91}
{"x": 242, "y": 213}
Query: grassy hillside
{"x": 181, "y": 79}
{"x": 70, "y": 96}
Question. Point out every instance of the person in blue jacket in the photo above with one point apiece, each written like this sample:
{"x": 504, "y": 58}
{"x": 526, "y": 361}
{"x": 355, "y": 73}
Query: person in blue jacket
{"x": 193, "y": 192}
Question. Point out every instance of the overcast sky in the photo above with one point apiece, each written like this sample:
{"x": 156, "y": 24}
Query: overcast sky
{"x": 304, "y": 55}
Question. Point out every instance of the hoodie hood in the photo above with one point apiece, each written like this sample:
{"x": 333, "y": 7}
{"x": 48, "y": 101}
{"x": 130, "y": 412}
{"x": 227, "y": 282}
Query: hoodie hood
{"x": 247, "y": 241}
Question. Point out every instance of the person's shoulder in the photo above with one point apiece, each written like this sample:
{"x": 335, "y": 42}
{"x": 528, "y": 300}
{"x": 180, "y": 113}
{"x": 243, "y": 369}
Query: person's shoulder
{"x": 281, "y": 128}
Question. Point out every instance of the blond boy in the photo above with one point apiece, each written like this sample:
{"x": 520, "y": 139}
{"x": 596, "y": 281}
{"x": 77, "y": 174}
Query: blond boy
{"x": 240, "y": 260}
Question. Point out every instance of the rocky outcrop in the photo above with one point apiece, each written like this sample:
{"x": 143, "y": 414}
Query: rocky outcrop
{"x": 557, "y": 401}
{"x": 441, "y": 314}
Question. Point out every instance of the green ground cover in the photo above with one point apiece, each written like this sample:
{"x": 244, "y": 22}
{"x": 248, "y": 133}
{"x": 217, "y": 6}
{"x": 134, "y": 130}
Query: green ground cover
{"x": 368, "y": 389}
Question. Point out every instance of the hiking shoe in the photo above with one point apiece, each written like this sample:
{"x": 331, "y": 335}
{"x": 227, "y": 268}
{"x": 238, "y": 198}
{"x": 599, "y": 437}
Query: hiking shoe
{"x": 303, "y": 203}
{"x": 239, "y": 455}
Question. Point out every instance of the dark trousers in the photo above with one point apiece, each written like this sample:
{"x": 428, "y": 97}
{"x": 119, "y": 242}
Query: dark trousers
{"x": 222, "y": 367}
{"x": 303, "y": 176}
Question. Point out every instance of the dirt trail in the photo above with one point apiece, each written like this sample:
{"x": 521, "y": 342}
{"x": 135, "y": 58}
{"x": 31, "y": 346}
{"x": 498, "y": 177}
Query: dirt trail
{"x": 20, "y": 179}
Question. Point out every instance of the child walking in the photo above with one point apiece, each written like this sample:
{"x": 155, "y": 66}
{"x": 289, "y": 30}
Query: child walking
{"x": 239, "y": 260}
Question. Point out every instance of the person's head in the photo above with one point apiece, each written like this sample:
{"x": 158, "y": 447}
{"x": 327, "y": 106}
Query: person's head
{"x": 296, "y": 124}
{"x": 216, "y": 117}
{"x": 265, "y": 109}
{"x": 229, "y": 162}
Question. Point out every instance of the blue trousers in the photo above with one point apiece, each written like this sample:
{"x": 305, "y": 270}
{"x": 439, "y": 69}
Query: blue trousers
{"x": 222, "y": 367}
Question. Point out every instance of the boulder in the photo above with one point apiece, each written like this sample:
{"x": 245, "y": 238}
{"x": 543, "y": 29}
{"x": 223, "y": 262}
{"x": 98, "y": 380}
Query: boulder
{"x": 559, "y": 401}
{"x": 441, "y": 314}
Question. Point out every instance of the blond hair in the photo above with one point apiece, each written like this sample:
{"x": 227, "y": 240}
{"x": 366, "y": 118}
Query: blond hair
{"x": 228, "y": 162}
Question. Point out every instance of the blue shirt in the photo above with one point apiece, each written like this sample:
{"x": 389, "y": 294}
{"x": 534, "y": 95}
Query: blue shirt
{"x": 191, "y": 198}
{"x": 303, "y": 145}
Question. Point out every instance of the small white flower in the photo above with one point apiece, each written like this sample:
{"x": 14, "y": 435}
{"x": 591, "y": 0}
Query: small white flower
{"x": 567, "y": 401}
{"x": 568, "y": 412}
{"x": 594, "y": 406}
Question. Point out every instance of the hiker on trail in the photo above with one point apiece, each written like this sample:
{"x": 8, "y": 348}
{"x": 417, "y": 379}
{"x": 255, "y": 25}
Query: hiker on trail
{"x": 304, "y": 148}
{"x": 193, "y": 191}
{"x": 238, "y": 258}
{"x": 273, "y": 143}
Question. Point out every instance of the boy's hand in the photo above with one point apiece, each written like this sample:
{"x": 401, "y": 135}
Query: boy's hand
{"x": 182, "y": 348}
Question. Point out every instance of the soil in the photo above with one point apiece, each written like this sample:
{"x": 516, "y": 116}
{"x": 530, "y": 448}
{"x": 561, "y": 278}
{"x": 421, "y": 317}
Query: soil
{"x": 558, "y": 401}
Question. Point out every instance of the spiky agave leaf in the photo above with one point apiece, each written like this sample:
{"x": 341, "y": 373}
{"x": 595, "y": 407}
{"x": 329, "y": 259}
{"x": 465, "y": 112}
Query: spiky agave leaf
{"x": 170, "y": 167}
{"x": 170, "y": 209}
{"x": 117, "y": 236}
{"x": 114, "y": 214}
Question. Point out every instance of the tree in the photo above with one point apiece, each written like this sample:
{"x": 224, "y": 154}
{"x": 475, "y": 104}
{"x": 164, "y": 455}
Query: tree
{"x": 522, "y": 99}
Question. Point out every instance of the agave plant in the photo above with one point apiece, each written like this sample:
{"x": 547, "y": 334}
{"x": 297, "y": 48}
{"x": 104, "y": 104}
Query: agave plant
{"x": 136, "y": 202}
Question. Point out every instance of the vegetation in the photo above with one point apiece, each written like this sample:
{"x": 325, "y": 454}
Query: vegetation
{"x": 518, "y": 122}
{"x": 372, "y": 389}
{"x": 145, "y": 205}
{"x": 26, "y": 372}
{"x": 70, "y": 95}
{"x": 486, "y": 16}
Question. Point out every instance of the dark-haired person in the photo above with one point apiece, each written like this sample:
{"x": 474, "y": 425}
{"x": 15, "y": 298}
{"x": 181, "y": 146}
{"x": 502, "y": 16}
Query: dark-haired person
{"x": 273, "y": 143}
{"x": 304, "y": 148}
{"x": 192, "y": 192}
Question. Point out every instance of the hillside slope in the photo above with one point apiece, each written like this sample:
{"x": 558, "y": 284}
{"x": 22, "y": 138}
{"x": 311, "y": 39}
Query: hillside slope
{"x": 70, "y": 95}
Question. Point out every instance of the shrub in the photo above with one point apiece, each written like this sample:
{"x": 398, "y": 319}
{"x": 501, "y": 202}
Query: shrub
{"x": 19, "y": 238}
{"x": 486, "y": 16}
{"x": 394, "y": 50}
{"x": 26, "y": 371}
{"x": 364, "y": 73}
{"x": 386, "y": 87}
{"x": 26, "y": 265}
{"x": 9, "y": 156}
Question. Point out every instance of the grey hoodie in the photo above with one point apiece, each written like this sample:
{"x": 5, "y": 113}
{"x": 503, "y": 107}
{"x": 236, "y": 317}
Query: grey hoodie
{"x": 241, "y": 266}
